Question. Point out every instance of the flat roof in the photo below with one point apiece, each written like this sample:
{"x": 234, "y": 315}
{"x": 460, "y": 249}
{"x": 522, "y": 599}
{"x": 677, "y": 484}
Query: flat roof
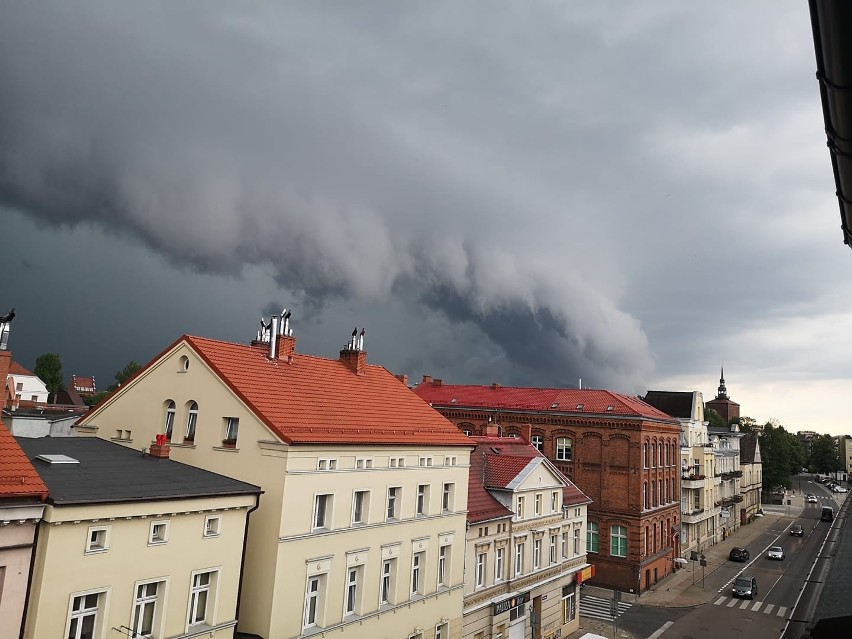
{"x": 108, "y": 473}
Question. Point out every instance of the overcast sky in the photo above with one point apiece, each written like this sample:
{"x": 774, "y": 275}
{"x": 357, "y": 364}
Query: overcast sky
{"x": 530, "y": 193}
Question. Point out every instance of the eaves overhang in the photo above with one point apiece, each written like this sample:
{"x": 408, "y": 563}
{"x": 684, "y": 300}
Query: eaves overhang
{"x": 831, "y": 22}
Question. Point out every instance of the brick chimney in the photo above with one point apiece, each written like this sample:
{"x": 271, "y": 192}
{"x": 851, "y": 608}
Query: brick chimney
{"x": 286, "y": 347}
{"x": 355, "y": 360}
{"x": 5, "y": 365}
{"x": 492, "y": 429}
{"x": 526, "y": 432}
{"x": 160, "y": 448}
{"x": 427, "y": 379}
{"x": 402, "y": 378}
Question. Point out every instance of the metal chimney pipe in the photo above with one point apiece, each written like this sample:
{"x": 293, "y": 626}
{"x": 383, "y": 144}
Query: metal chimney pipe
{"x": 273, "y": 337}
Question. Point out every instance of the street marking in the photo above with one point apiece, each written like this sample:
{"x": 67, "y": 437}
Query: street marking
{"x": 745, "y": 604}
{"x": 768, "y": 609}
{"x": 757, "y": 606}
{"x": 732, "y": 603}
{"x": 781, "y": 611}
{"x": 661, "y": 629}
{"x": 719, "y": 601}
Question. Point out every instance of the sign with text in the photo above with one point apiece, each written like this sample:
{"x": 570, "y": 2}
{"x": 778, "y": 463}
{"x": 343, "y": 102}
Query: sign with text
{"x": 512, "y": 602}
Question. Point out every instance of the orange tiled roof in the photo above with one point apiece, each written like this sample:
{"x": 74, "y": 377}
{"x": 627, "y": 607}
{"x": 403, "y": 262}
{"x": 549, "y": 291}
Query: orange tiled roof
{"x": 557, "y": 400}
{"x": 319, "y": 400}
{"x": 494, "y": 464}
{"x": 17, "y": 369}
{"x": 18, "y": 478}
{"x": 82, "y": 383}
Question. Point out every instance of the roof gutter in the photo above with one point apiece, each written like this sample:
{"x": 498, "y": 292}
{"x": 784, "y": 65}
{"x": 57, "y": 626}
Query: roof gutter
{"x": 831, "y": 22}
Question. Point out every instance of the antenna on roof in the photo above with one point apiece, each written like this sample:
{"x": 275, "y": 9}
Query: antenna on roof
{"x": 580, "y": 384}
{"x": 5, "y": 327}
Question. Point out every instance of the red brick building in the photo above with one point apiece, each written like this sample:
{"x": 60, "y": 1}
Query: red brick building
{"x": 621, "y": 452}
{"x": 722, "y": 404}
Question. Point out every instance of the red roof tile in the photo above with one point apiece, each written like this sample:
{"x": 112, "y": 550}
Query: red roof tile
{"x": 309, "y": 399}
{"x": 17, "y": 369}
{"x": 556, "y": 400}
{"x": 494, "y": 464}
{"x": 18, "y": 478}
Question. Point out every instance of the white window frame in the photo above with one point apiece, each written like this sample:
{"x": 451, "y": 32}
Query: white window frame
{"x": 352, "y": 592}
{"x": 539, "y": 498}
{"x": 364, "y": 516}
{"x": 481, "y": 558}
{"x": 417, "y": 573}
{"x": 140, "y": 602}
{"x": 519, "y": 557}
{"x": 499, "y": 557}
{"x": 392, "y": 504}
{"x": 554, "y": 501}
{"x": 443, "y": 564}
{"x": 519, "y": 507}
{"x": 232, "y": 429}
{"x": 169, "y": 426}
{"x": 448, "y": 496}
{"x": 576, "y": 541}
{"x": 422, "y": 500}
{"x": 618, "y": 535}
{"x": 564, "y": 452}
{"x": 312, "y": 616}
{"x": 195, "y": 590}
{"x": 538, "y": 442}
{"x": 387, "y": 583}
{"x": 593, "y": 537}
{"x": 569, "y": 607}
{"x": 158, "y": 533}
{"x": 536, "y": 554}
{"x": 553, "y": 556}
{"x": 425, "y": 462}
{"x": 442, "y": 631}
{"x": 364, "y": 463}
{"x": 191, "y": 421}
{"x": 323, "y": 510}
{"x": 97, "y": 613}
{"x": 94, "y": 548}
{"x": 212, "y": 526}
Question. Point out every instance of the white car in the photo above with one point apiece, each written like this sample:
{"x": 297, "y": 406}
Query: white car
{"x": 839, "y": 489}
{"x": 776, "y": 552}
{"x": 812, "y": 499}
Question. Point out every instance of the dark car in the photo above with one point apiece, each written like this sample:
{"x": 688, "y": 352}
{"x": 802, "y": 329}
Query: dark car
{"x": 739, "y": 554}
{"x": 796, "y": 530}
{"x": 745, "y": 587}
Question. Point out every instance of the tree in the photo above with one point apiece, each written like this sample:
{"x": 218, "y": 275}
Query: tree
{"x": 48, "y": 368}
{"x": 778, "y": 457}
{"x": 825, "y": 458}
{"x": 714, "y": 418}
{"x": 747, "y": 424}
{"x": 125, "y": 373}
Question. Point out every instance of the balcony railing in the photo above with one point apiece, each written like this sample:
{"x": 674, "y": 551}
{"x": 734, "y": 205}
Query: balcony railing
{"x": 692, "y": 481}
{"x": 693, "y": 516}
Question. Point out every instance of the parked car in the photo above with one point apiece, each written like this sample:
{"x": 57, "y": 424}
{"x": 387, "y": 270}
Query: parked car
{"x": 812, "y": 499}
{"x": 796, "y": 530}
{"x": 739, "y": 554}
{"x": 745, "y": 587}
{"x": 776, "y": 552}
{"x": 839, "y": 489}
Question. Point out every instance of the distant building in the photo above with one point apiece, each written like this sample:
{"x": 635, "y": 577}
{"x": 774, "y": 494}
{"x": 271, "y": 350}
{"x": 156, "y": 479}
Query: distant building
{"x": 729, "y": 494}
{"x": 26, "y": 386}
{"x": 722, "y": 404}
{"x": 83, "y": 386}
{"x": 22, "y": 495}
{"x": 45, "y": 420}
{"x": 701, "y": 523}
{"x": 526, "y": 553}
{"x": 751, "y": 483}
{"x": 621, "y": 452}
{"x": 806, "y": 437}
{"x": 134, "y": 545}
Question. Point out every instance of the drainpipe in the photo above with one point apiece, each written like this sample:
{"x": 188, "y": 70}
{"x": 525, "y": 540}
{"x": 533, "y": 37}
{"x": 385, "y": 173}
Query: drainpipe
{"x": 245, "y": 544}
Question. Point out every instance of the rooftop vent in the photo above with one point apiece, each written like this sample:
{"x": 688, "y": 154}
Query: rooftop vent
{"x": 554, "y": 405}
{"x": 609, "y": 409}
{"x": 579, "y": 407}
{"x": 57, "y": 459}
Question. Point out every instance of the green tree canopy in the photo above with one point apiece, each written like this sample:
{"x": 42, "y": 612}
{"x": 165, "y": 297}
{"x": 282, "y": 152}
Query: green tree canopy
{"x": 780, "y": 452}
{"x": 825, "y": 457}
{"x": 48, "y": 368}
{"x": 714, "y": 418}
{"x": 131, "y": 368}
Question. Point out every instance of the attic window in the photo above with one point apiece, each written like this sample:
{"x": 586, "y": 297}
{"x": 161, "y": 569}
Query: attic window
{"x": 610, "y": 408}
{"x": 57, "y": 459}
{"x": 579, "y": 407}
{"x": 554, "y": 405}
{"x": 453, "y": 400}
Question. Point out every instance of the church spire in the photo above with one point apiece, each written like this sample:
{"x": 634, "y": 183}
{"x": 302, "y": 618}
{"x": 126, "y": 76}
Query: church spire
{"x": 723, "y": 392}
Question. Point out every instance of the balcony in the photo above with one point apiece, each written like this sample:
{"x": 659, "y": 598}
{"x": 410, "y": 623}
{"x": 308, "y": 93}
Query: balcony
{"x": 694, "y": 516}
{"x": 692, "y": 481}
{"x": 734, "y": 474}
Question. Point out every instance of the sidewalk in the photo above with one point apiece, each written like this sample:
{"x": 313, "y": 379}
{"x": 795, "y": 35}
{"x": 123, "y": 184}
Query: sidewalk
{"x": 677, "y": 590}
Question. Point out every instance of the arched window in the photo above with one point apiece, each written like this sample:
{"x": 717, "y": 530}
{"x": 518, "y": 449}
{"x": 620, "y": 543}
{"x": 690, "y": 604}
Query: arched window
{"x": 645, "y": 495}
{"x": 170, "y": 419}
{"x": 191, "y": 419}
{"x": 653, "y": 494}
{"x": 645, "y": 454}
{"x": 660, "y": 490}
{"x": 653, "y": 455}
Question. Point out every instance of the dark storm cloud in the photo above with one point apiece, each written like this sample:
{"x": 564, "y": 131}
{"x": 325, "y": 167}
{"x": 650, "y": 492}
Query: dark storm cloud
{"x": 535, "y": 178}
